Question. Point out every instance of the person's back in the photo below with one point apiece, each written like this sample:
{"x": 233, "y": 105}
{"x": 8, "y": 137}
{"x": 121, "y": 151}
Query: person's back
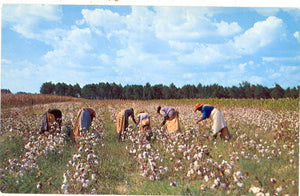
{"x": 51, "y": 121}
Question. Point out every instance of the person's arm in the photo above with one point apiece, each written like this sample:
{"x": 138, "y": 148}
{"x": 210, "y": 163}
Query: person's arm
{"x": 165, "y": 119}
{"x": 138, "y": 119}
{"x": 132, "y": 116}
{"x": 204, "y": 116}
{"x": 197, "y": 121}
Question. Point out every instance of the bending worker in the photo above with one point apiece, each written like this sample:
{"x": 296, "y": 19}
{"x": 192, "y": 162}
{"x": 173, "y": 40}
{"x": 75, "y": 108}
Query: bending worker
{"x": 144, "y": 124}
{"x": 51, "y": 121}
{"x": 170, "y": 117}
{"x": 122, "y": 121}
{"x": 83, "y": 122}
{"x": 219, "y": 124}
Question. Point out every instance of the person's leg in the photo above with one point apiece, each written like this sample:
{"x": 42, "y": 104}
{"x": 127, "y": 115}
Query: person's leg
{"x": 225, "y": 133}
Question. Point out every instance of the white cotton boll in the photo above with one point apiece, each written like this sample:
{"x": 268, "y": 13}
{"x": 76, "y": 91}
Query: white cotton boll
{"x": 254, "y": 189}
{"x": 235, "y": 178}
{"x": 148, "y": 146}
{"x": 166, "y": 169}
{"x": 65, "y": 180}
{"x": 75, "y": 174}
{"x": 273, "y": 180}
{"x": 279, "y": 189}
{"x": 199, "y": 172}
{"x": 217, "y": 181}
{"x": 94, "y": 192}
{"x": 93, "y": 176}
{"x": 144, "y": 174}
{"x": 145, "y": 154}
{"x": 89, "y": 157}
{"x": 240, "y": 184}
{"x": 173, "y": 183}
{"x": 213, "y": 186}
{"x": 238, "y": 173}
{"x": 291, "y": 152}
{"x": 206, "y": 178}
{"x": 140, "y": 156}
{"x": 285, "y": 146}
{"x": 85, "y": 185}
{"x": 64, "y": 187}
{"x": 39, "y": 185}
{"x": 223, "y": 185}
{"x": 151, "y": 177}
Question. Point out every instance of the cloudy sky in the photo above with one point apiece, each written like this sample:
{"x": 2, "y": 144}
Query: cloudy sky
{"x": 87, "y": 44}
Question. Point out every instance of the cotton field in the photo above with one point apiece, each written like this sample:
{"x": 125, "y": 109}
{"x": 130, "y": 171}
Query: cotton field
{"x": 261, "y": 158}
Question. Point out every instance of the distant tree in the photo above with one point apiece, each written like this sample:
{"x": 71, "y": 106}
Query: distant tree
{"x": 166, "y": 92}
{"x": 128, "y": 92}
{"x": 287, "y": 93}
{"x": 261, "y": 92}
{"x": 173, "y": 91}
{"x": 217, "y": 91}
{"x": 70, "y": 91}
{"x": 61, "y": 89}
{"x": 157, "y": 91}
{"x": 77, "y": 90}
{"x": 90, "y": 91}
{"x": 101, "y": 91}
{"x": 235, "y": 92}
{"x": 147, "y": 91}
{"x": 245, "y": 90}
{"x": 116, "y": 91}
{"x": 5, "y": 91}
{"x": 189, "y": 91}
{"x": 113, "y": 91}
{"x": 137, "y": 91}
{"x": 199, "y": 91}
{"x": 47, "y": 88}
{"x": 277, "y": 92}
{"x": 295, "y": 92}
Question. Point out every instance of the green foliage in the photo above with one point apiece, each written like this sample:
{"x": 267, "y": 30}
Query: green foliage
{"x": 159, "y": 91}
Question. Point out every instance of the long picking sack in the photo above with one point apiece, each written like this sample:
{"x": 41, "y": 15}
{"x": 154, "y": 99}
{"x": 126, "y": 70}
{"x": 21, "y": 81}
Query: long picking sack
{"x": 173, "y": 124}
{"x": 218, "y": 121}
{"x": 83, "y": 122}
{"x": 120, "y": 121}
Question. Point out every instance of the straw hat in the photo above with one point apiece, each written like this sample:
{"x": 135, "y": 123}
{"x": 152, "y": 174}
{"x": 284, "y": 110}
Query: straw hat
{"x": 198, "y": 105}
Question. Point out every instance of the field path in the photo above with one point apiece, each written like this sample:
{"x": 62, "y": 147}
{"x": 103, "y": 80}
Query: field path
{"x": 117, "y": 166}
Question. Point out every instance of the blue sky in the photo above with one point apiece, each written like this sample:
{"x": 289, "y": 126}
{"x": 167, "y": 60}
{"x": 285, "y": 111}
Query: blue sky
{"x": 87, "y": 44}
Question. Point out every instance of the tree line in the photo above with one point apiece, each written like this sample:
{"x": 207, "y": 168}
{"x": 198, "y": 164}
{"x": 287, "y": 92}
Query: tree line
{"x": 107, "y": 90}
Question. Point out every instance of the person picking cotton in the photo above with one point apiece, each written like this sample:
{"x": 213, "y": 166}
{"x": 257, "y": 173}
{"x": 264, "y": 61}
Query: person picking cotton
{"x": 218, "y": 121}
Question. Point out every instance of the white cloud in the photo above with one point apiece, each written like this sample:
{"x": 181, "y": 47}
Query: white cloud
{"x": 226, "y": 29}
{"x": 242, "y": 67}
{"x": 72, "y": 49}
{"x": 25, "y": 19}
{"x": 187, "y": 24}
{"x": 204, "y": 56}
{"x": 267, "y": 11}
{"x": 297, "y": 36}
{"x": 107, "y": 19}
{"x": 260, "y": 35}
